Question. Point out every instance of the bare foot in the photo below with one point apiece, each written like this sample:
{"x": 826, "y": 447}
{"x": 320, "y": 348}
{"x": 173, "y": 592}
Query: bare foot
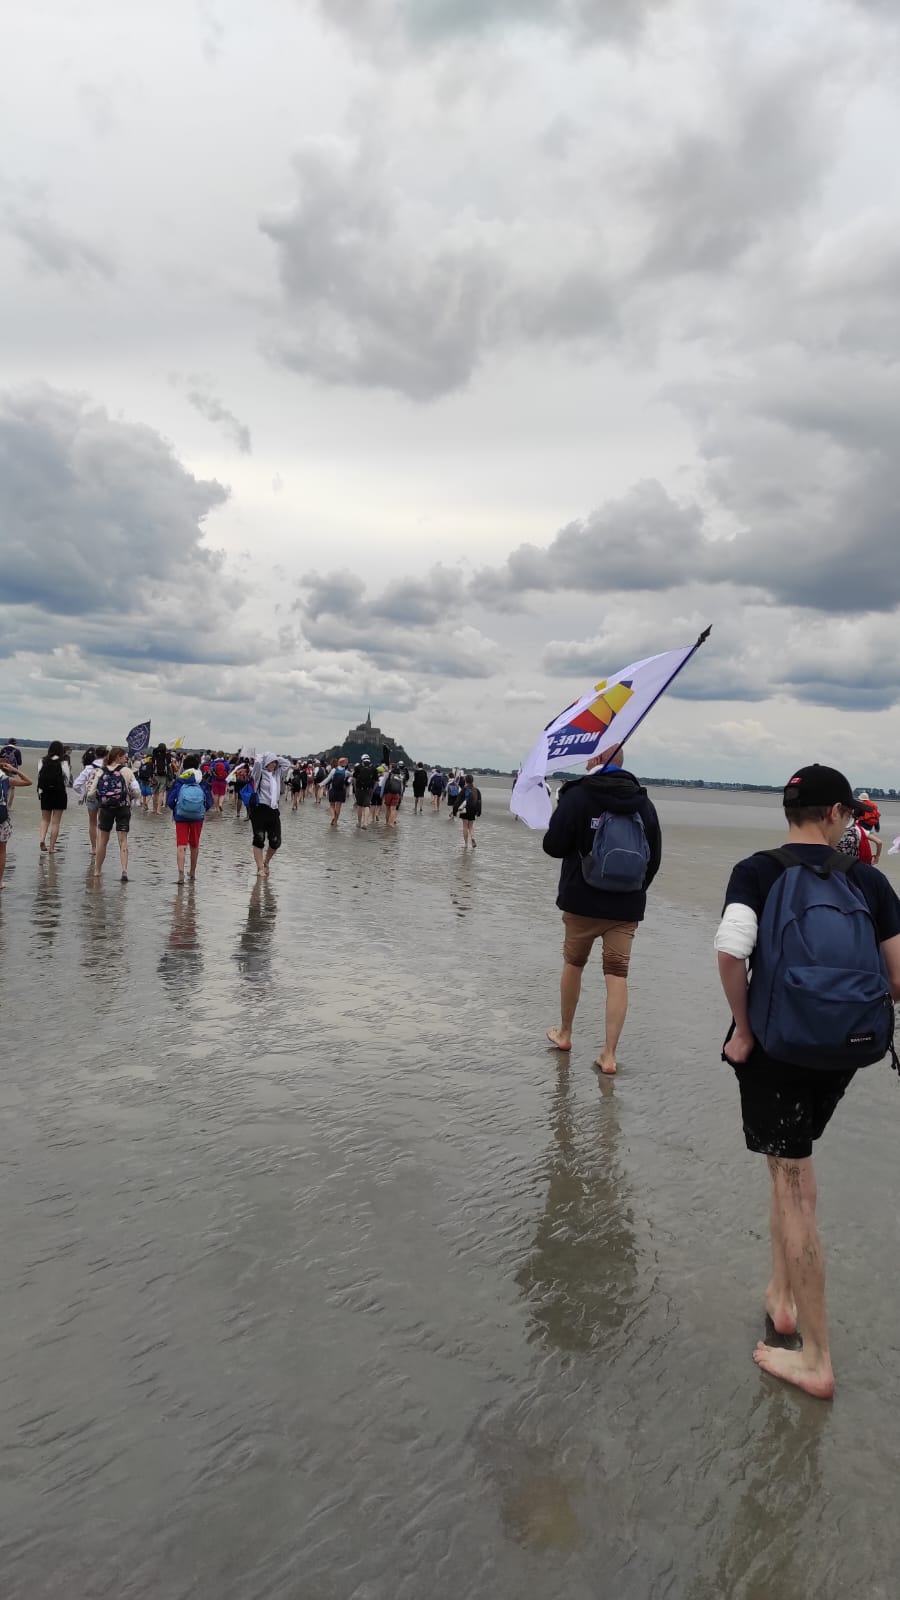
{"x": 606, "y": 1061}
{"x": 558, "y": 1039}
{"x": 783, "y": 1313}
{"x": 793, "y": 1366}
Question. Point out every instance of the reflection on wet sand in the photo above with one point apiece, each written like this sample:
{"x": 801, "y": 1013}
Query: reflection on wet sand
{"x": 762, "y": 1553}
{"x": 104, "y": 946}
{"x": 334, "y": 1286}
{"x": 254, "y": 951}
{"x": 47, "y": 905}
{"x": 581, "y": 1273}
{"x": 180, "y": 964}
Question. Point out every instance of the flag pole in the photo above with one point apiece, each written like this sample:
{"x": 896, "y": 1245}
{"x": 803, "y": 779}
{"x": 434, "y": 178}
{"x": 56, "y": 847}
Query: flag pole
{"x": 680, "y": 668}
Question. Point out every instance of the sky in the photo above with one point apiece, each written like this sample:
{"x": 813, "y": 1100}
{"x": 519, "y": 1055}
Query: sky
{"x": 445, "y": 356}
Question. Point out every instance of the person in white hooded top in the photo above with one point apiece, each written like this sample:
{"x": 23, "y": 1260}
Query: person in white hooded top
{"x": 265, "y": 818}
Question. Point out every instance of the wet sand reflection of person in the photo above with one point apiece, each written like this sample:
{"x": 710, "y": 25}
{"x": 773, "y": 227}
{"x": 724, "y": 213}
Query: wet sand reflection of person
{"x": 782, "y": 1520}
{"x": 181, "y": 962}
{"x": 581, "y": 1275}
{"x": 254, "y": 952}
{"x": 104, "y": 946}
{"x": 47, "y": 906}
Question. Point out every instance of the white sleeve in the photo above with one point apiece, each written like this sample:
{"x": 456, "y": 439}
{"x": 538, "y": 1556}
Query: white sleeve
{"x": 736, "y": 934}
{"x": 81, "y": 780}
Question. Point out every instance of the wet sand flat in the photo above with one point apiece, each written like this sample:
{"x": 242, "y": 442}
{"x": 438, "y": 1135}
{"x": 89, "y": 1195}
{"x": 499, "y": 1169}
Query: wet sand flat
{"x": 323, "y": 1278}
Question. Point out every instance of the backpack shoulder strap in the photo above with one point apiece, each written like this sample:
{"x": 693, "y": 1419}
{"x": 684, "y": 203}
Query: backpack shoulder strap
{"x": 784, "y": 855}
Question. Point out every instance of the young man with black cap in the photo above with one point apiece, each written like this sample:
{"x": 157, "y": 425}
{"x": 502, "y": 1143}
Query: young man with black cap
{"x": 589, "y": 912}
{"x": 786, "y": 1105}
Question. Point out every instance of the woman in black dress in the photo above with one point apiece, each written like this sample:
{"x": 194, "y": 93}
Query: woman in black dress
{"x": 54, "y": 779}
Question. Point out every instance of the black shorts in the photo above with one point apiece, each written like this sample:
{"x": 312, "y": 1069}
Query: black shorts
{"x": 118, "y": 817}
{"x": 266, "y": 824}
{"x": 785, "y": 1108}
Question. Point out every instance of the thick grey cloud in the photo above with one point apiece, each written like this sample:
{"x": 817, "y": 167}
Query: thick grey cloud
{"x": 413, "y": 624}
{"x": 199, "y": 394}
{"x": 50, "y": 248}
{"x": 367, "y": 303}
{"x": 720, "y": 190}
{"x": 93, "y": 510}
{"x": 645, "y": 540}
{"x": 755, "y": 653}
{"x": 380, "y": 292}
{"x": 330, "y": 593}
{"x": 103, "y": 550}
{"x": 736, "y": 663}
{"x": 802, "y": 458}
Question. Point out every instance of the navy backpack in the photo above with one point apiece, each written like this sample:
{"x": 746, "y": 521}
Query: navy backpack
{"x": 819, "y": 991}
{"x": 619, "y": 856}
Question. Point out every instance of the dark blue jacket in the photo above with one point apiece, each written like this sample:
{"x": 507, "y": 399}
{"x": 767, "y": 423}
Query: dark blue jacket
{"x": 571, "y": 834}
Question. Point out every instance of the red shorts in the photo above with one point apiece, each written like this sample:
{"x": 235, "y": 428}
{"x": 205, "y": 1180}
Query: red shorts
{"x": 392, "y": 800}
{"x": 188, "y": 833}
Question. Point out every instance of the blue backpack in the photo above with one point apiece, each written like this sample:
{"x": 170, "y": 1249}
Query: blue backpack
{"x": 819, "y": 992}
{"x": 191, "y": 803}
{"x": 619, "y": 856}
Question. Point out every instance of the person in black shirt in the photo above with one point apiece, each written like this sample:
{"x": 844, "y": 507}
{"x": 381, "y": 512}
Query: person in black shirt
{"x": 588, "y": 913}
{"x": 364, "y": 776}
{"x": 420, "y": 784}
{"x": 785, "y": 1107}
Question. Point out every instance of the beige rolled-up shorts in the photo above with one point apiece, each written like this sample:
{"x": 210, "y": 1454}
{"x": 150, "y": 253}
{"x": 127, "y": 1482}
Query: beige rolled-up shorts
{"x": 582, "y": 933}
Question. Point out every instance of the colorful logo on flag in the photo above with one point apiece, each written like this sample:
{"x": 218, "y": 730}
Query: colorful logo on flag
{"x": 578, "y": 739}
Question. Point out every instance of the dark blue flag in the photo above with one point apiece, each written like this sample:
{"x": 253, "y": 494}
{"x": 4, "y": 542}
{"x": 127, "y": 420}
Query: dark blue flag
{"x": 139, "y": 740}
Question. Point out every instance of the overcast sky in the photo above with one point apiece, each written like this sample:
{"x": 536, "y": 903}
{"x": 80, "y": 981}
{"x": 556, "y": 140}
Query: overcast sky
{"x": 444, "y": 355}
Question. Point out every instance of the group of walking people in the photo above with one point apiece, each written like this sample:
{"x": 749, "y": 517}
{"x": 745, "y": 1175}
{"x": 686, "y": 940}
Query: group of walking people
{"x": 190, "y": 785}
{"x": 374, "y": 788}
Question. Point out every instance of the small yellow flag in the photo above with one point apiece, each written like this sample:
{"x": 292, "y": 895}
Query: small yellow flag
{"x": 178, "y": 743}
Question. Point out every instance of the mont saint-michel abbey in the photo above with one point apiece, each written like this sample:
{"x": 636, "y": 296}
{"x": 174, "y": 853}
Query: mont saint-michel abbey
{"x": 366, "y": 740}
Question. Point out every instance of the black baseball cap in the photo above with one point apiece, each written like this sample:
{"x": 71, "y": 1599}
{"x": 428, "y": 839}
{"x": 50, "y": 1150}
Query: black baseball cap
{"x": 820, "y": 786}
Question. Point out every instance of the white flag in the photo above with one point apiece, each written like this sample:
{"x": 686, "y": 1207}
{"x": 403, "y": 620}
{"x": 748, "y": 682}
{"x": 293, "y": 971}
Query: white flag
{"x": 606, "y": 715}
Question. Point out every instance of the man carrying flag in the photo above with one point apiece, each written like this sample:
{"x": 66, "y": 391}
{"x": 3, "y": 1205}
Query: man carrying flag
{"x": 606, "y": 833}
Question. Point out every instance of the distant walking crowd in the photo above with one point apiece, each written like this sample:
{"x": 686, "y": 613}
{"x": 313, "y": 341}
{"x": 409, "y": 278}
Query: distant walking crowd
{"x": 111, "y": 786}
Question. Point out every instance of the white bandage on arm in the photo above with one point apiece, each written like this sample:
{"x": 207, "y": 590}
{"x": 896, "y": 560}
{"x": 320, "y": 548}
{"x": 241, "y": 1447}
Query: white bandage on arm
{"x": 737, "y": 932}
